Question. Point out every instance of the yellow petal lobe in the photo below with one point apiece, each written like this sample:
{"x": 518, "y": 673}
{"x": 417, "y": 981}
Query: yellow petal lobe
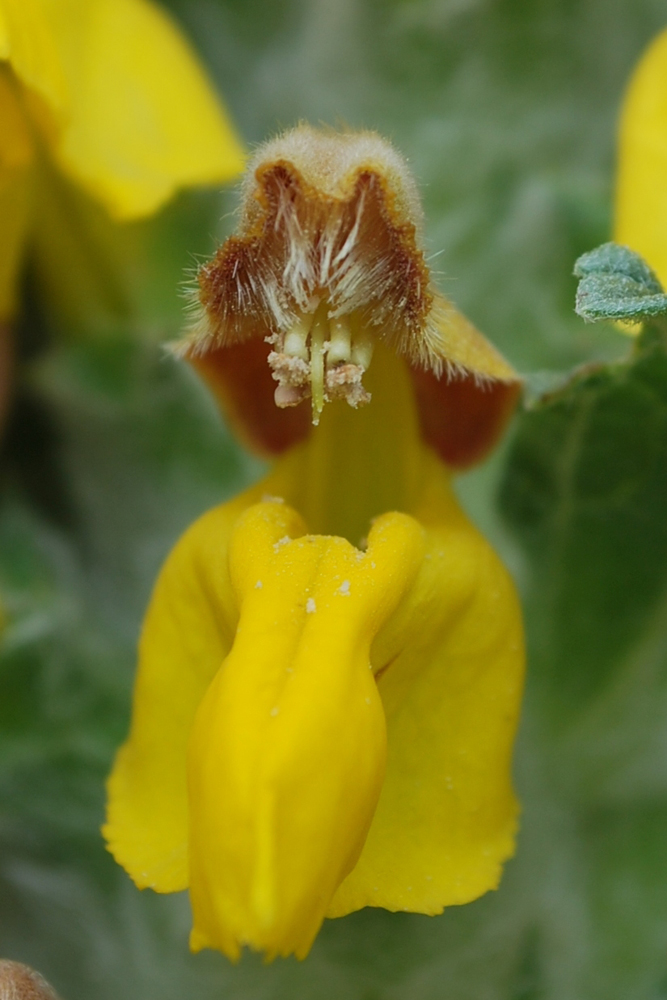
{"x": 188, "y": 631}
{"x": 641, "y": 192}
{"x": 5, "y": 43}
{"x": 27, "y": 41}
{"x": 142, "y": 119}
{"x": 463, "y": 348}
{"x": 450, "y": 670}
{"x": 287, "y": 752}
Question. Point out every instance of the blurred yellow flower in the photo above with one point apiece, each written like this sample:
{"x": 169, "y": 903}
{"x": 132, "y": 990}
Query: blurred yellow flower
{"x": 331, "y": 665}
{"x": 110, "y": 93}
{"x": 641, "y": 192}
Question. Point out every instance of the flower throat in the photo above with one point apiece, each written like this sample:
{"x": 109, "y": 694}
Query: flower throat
{"x": 339, "y": 489}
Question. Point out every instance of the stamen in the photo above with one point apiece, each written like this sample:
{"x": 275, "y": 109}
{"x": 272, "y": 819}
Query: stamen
{"x": 339, "y": 341}
{"x": 322, "y": 358}
{"x": 288, "y": 395}
{"x": 362, "y": 348}
{"x": 295, "y": 341}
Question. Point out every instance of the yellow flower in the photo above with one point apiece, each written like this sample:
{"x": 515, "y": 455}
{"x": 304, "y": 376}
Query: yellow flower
{"x": 109, "y": 93}
{"x": 641, "y": 192}
{"x": 331, "y": 664}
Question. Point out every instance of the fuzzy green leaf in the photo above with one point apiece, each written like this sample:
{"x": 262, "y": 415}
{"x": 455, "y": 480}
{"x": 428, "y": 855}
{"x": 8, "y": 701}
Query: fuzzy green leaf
{"x": 617, "y": 284}
{"x": 585, "y": 492}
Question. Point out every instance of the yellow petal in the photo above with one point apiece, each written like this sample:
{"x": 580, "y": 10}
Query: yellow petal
{"x": 188, "y": 631}
{"x": 143, "y": 119}
{"x": 450, "y": 667}
{"x": 288, "y": 747}
{"x": 462, "y": 346}
{"x": 641, "y": 193}
{"x": 28, "y": 43}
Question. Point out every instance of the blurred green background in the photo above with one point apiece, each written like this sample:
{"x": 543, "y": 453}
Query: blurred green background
{"x": 506, "y": 110}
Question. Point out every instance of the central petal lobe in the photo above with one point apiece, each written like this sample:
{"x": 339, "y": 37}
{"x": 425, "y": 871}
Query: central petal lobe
{"x": 287, "y": 753}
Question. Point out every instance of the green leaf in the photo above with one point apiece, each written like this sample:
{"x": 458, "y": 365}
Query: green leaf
{"x": 617, "y": 284}
{"x": 585, "y": 492}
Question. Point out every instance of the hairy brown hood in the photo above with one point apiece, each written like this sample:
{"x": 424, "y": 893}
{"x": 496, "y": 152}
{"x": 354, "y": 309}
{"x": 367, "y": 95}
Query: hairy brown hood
{"x": 330, "y": 234}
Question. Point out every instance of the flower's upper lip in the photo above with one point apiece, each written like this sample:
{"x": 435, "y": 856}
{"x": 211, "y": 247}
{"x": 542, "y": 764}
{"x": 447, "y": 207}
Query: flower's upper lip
{"x": 331, "y": 223}
{"x": 298, "y": 243}
{"x": 330, "y": 162}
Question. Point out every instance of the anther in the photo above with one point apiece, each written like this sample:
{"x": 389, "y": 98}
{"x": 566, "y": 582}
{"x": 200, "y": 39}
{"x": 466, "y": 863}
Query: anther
{"x": 362, "y": 349}
{"x": 339, "y": 341}
{"x": 322, "y": 358}
{"x": 295, "y": 340}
